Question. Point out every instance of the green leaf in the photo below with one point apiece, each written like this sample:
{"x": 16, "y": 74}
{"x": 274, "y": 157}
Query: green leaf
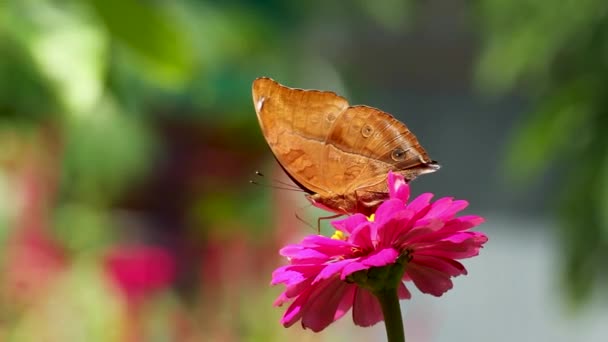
{"x": 104, "y": 152}
{"x": 550, "y": 132}
{"x": 150, "y": 32}
{"x": 67, "y": 49}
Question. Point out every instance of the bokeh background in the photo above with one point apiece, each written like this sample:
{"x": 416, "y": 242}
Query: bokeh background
{"x": 128, "y": 139}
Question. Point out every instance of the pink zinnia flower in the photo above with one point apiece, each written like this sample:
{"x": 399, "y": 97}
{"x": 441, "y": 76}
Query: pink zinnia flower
{"x": 327, "y": 277}
{"x": 139, "y": 270}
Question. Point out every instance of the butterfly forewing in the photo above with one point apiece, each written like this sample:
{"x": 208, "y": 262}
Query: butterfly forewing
{"x": 335, "y": 151}
{"x": 295, "y": 124}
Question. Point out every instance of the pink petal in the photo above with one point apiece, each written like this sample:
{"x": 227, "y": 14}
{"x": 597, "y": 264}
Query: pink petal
{"x": 307, "y": 255}
{"x": 445, "y": 208}
{"x": 294, "y": 311}
{"x": 429, "y": 280}
{"x": 434, "y": 223}
{"x": 347, "y": 301}
{"x": 452, "y": 231}
{"x": 332, "y": 269}
{"x": 420, "y": 202}
{"x": 349, "y": 224}
{"x": 445, "y": 265}
{"x": 321, "y": 308}
{"x": 380, "y": 258}
{"x": 438, "y": 207}
{"x": 290, "y": 250}
{"x": 295, "y": 290}
{"x": 294, "y": 273}
{"x": 285, "y": 276}
{"x": 362, "y": 237}
{"x": 456, "y": 206}
{"x": 463, "y": 237}
{"x": 395, "y": 228}
{"x": 403, "y": 292}
{"x": 463, "y": 223}
{"x": 281, "y": 299}
{"x": 387, "y": 210}
{"x": 320, "y": 241}
{"x": 413, "y": 236}
{"x": 397, "y": 187}
{"x": 330, "y": 247}
{"x": 453, "y": 250}
{"x": 366, "y": 309}
{"x": 352, "y": 268}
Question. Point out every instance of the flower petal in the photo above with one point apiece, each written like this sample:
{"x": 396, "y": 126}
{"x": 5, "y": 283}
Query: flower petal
{"x": 456, "y": 206}
{"x": 291, "y": 274}
{"x": 363, "y": 238}
{"x": 462, "y": 223}
{"x": 349, "y": 224}
{"x": 352, "y": 268}
{"x": 420, "y": 202}
{"x": 438, "y": 207}
{"x": 380, "y": 258}
{"x": 305, "y": 255}
{"x": 403, "y": 292}
{"x": 465, "y": 245}
{"x": 445, "y": 265}
{"x": 398, "y": 187}
{"x": 347, "y": 302}
{"x": 321, "y": 308}
{"x": 390, "y": 230}
{"x": 366, "y": 309}
{"x": 429, "y": 280}
{"x": 284, "y": 275}
{"x": 332, "y": 269}
{"x": 294, "y": 311}
{"x": 387, "y": 210}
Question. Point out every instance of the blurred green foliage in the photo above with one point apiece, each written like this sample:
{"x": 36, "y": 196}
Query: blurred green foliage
{"x": 98, "y": 95}
{"x": 130, "y": 122}
{"x": 558, "y": 54}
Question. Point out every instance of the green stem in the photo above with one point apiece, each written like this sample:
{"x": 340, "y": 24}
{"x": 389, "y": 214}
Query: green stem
{"x": 389, "y": 301}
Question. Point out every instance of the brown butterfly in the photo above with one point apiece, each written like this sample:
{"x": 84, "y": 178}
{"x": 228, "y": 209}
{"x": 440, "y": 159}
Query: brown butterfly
{"x": 339, "y": 154}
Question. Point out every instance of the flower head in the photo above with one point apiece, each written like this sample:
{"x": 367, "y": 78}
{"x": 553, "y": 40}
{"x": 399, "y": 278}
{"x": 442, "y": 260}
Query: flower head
{"x": 421, "y": 239}
{"x": 139, "y": 270}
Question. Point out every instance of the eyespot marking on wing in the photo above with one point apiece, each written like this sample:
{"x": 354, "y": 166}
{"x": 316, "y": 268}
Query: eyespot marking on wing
{"x": 367, "y": 131}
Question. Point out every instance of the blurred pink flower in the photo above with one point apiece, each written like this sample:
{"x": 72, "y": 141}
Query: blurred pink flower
{"x": 427, "y": 237}
{"x": 33, "y": 261}
{"x": 140, "y": 270}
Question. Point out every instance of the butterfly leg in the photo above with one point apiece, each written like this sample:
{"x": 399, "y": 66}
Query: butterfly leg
{"x": 325, "y": 218}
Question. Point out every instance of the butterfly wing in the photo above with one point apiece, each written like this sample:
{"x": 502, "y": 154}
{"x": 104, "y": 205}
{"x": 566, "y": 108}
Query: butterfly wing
{"x": 339, "y": 154}
{"x": 364, "y": 144}
{"x": 296, "y": 123}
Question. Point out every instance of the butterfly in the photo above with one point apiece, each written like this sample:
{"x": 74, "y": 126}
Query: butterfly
{"x": 338, "y": 154}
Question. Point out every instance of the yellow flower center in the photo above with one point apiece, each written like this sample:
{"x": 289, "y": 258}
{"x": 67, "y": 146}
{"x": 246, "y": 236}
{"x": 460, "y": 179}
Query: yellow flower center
{"x": 371, "y": 217}
{"x": 338, "y": 235}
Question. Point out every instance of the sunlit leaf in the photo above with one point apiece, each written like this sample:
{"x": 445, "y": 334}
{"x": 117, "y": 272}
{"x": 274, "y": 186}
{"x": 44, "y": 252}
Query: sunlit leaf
{"x": 68, "y": 49}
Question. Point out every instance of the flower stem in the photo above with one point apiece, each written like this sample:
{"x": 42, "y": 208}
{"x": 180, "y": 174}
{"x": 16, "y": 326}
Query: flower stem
{"x": 389, "y": 301}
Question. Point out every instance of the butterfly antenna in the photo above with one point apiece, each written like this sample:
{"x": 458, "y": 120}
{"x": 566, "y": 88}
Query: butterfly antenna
{"x": 303, "y": 221}
{"x": 283, "y": 185}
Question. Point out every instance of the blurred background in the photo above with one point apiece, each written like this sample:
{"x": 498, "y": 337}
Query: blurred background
{"x": 128, "y": 137}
